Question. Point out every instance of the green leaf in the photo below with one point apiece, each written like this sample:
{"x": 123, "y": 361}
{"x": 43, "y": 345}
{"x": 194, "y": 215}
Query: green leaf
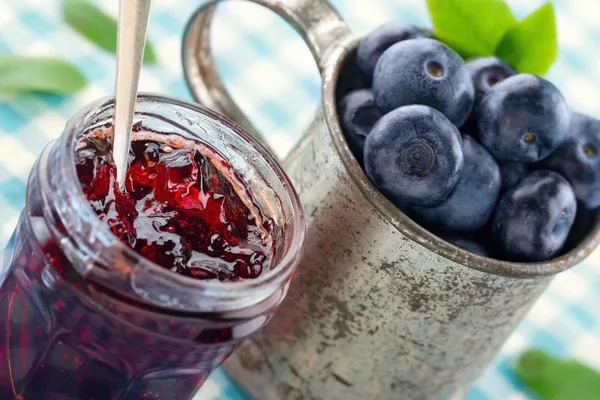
{"x": 555, "y": 379}
{"x": 40, "y": 74}
{"x": 471, "y": 27}
{"x": 97, "y": 26}
{"x": 530, "y": 46}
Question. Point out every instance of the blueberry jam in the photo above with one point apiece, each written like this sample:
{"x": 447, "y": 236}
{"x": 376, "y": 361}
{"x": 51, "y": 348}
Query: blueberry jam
{"x": 178, "y": 210}
{"x": 65, "y": 336}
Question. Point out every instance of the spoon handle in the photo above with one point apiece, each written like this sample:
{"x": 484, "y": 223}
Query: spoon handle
{"x": 133, "y": 24}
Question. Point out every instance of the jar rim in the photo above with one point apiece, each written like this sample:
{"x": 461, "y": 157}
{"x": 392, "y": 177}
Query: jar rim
{"x": 228, "y": 295}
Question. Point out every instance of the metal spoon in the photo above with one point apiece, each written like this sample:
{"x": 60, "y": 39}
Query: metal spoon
{"x": 133, "y": 24}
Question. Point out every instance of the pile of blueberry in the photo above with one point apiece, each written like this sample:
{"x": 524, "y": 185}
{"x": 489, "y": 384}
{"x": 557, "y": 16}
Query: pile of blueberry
{"x": 489, "y": 159}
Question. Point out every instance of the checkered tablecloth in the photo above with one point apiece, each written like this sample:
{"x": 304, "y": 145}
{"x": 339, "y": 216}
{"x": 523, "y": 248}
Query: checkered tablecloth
{"x": 271, "y": 74}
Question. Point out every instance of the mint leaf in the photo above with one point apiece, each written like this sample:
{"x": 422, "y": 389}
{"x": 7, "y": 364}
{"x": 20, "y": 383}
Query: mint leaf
{"x": 555, "y": 379}
{"x": 530, "y": 45}
{"x": 471, "y": 27}
{"x": 40, "y": 74}
{"x": 97, "y": 26}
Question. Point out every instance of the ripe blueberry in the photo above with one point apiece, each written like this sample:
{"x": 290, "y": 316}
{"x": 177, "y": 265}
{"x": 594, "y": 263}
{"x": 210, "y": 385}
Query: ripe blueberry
{"x": 512, "y": 173}
{"x": 533, "y": 218}
{"x": 486, "y": 72}
{"x": 414, "y": 156}
{"x": 375, "y": 43}
{"x": 472, "y": 202}
{"x": 578, "y": 159}
{"x": 466, "y": 243}
{"x": 358, "y": 113}
{"x": 523, "y": 118}
{"x": 424, "y": 71}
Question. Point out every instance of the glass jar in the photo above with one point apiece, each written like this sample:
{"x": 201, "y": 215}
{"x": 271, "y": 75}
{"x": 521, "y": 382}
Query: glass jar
{"x": 85, "y": 317}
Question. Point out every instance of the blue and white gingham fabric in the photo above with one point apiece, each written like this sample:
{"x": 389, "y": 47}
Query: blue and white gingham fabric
{"x": 272, "y": 75}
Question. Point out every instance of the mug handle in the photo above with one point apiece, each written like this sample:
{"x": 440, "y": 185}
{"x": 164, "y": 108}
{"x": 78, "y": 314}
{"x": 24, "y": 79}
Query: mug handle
{"x": 317, "y": 22}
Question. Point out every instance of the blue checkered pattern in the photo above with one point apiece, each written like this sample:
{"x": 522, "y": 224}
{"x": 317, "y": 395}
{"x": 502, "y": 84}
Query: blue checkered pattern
{"x": 271, "y": 74}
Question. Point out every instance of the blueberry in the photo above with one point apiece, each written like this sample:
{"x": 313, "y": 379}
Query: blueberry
{"x": 533, "y": 218}
{"x": 512, "y": 173}
{"x": 424, "y": 71}
{"x": 472, "y": 202}
{"x": 486, "y": 72}
{"x": 375, "y": 43}
{"x": 466, "y": 243}
{"x": 523, "y": 118}
{"x": 358, "y": 113}
{"x": 584, "y": 224}
{"x": 578, "y": 159}
{"x": 414, "y": 156}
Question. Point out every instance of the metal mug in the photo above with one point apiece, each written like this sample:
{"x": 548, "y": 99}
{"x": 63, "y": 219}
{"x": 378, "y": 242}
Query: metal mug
{"x": 380, "y": 308}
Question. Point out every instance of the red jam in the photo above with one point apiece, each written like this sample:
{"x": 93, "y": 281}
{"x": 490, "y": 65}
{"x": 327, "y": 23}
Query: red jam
{"x": 178, "y": 210}
{"x": 65, "y": 337}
